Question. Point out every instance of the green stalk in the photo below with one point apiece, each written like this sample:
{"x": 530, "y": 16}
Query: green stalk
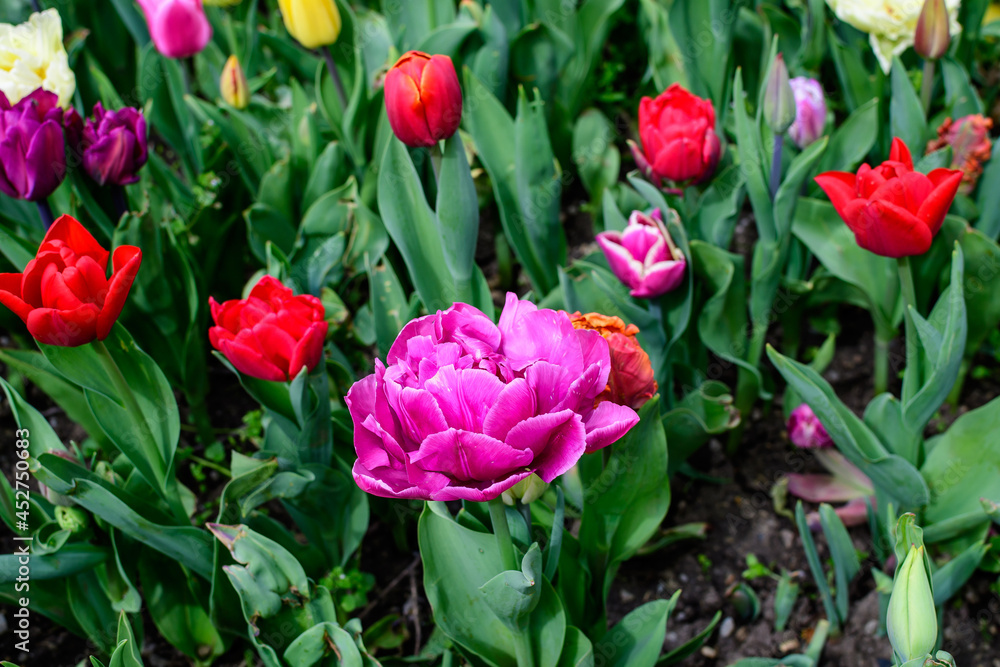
{"x": 927, "y": 85}
{"x": 881, "y": 364}
{"x": 168, "y": 487}
{"x": 909, "y": 299}
{"x": 498, "y": 516}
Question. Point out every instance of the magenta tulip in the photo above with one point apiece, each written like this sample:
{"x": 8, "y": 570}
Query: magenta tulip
{"x": 644, "y": 256}
{"x": 179, "y": 28}
{"x": 465, "y": 409}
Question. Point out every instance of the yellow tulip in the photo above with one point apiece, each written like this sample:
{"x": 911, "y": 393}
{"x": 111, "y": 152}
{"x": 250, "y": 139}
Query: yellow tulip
{"x": 314, "y": 23}
{"x": 32, "y": 56}
{"x": 233, "y": 84}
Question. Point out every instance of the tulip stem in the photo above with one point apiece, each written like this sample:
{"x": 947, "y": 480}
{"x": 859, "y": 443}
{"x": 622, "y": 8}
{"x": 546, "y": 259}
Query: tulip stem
{"x": 121, "y": 202}
{"x": 498, "y": 516}
{"x": 331, "y": 65}
{"x": 927, "y": 85}
{"x": 881, "y": 364}
{"x": 909, "y": 301}
{"x": 779, "y": 146}
{"x": 45, "y": 213}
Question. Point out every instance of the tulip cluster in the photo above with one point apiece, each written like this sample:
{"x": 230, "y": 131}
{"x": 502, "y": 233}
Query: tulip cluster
{"x": 893, "y": 210}
{"x": 64, "y": 295}
{"x": 465, "y": 409}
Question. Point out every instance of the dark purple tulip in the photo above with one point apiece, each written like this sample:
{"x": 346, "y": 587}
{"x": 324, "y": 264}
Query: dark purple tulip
{"x": 32, "y": 146}
{"x": 115, "y": 145}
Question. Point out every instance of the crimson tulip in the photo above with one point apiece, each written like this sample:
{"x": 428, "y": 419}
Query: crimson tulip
{"x": 423, "y": 99}
{"x": 893, "y": 210}
{"x": 272, "y": 334}
{"x": 64, "y": 295}
{"x": 679, "y": 142}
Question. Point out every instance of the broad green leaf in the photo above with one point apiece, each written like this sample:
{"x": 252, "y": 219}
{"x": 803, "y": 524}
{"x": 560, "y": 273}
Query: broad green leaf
{"x": 905, "y": 110}
{"x": 637, "y": 639}
{"x": 853, "y": 139}
{"x": 457, "y": 210}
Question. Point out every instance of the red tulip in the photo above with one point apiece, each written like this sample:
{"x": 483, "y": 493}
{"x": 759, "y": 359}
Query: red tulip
{"x": 423, "y": 99}
{"x": 272, "y": 334}
{"x": 64, "y": 295}
{"x": 893, "y": 210}
{"x": 679, "y": 142}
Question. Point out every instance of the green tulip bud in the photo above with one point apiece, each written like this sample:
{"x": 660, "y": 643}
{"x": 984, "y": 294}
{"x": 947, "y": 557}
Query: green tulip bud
{"x": 72, "y": 519}
{"x": 779, "y": 99}
{"x": 912, "y": 619}
{"x": 527, "y": 490}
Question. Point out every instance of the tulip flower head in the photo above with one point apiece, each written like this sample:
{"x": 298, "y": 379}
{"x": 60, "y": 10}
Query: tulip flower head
{"x": 272, "y": 334}
{"x": 893, "y": 210}
{"x": 971, "y": 146}
{"x": 806, "y": 430}
{"x": 233, "y": 84}
{"x": 423, "y": 99}
{"x": 810, "y": 111}
{"x": 644, "y": 256}
{"x": 464, "y": 409}
{"x": 32, "y": 145}
{"x": 779, "y": 100}
{"x": 631, "y": 381}
{"x": 678, "y": 136}
{"x": 314, "y": 23}
{"x": 933, "y": 36}
{"x": 114, "y": 145}
{"x": 64, "y": 295}
{"x": 179, "y": 28}
{"x": 911, "y": 620}
{"x": 32, "y": 56}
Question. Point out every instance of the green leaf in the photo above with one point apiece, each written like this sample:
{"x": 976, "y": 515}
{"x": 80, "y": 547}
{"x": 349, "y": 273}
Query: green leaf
{"x": 963, "y": 466}
{"x": 92, "y": 609}
{"x": 321, "y": 643}
{"x": 128, "y": 653}
{"x": 753, "y": 163}
{"x": 688, "y": 648}
{"x": 815, "y": 566}
{"x": 846, "y": 564}
{"x": 187, "y": 544}
{"x": 42, "y": 437}
{"x": 853, "y": 139}
{"x": 390, "y": 310}
{"x": 961, "y": 97}
{"x": 890, "y": 473}
{"x": 174, "y": 602}
{"x": 905, "y": 110}
{"x": 457, "y": 210}
{"x": 577, "y": 651}
{"x": 949, "y": 579}
{"x": 513, "y": 595}
{"x": 637, "y": 639}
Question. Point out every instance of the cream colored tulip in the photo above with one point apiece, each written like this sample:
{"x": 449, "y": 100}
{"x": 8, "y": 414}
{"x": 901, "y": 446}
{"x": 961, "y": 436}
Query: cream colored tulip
{"x": 890, "y": 24}
{"x": 32, "y": 56}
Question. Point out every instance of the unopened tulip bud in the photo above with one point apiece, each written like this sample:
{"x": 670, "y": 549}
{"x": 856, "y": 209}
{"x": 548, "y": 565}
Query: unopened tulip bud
{"x": 527, "y": 490}
{"x": 423, "y": 99}
{"x": 314, "y": 23}
{"x": 933, "y": 36}
{"x": 233, "y": 84}
{"x": 72, "y": 519}
{"x": 779, "y": 100}
{"x": 912, "y": 620}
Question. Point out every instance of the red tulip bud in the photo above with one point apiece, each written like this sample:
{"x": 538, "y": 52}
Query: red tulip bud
{"x": 423, "y": 99}
{"x": 933, "y": 36}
